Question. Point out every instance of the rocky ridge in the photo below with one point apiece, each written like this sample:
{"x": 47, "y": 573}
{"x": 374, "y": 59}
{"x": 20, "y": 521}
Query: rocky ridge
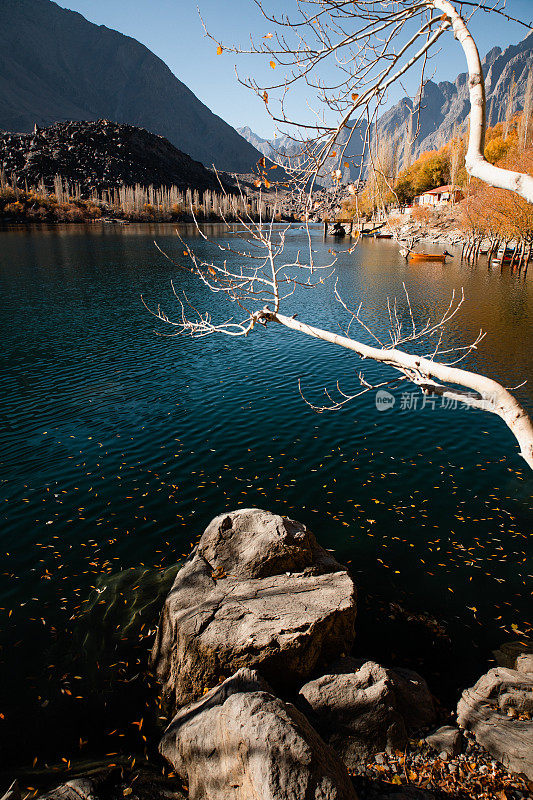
{"x": 100, "y": 155}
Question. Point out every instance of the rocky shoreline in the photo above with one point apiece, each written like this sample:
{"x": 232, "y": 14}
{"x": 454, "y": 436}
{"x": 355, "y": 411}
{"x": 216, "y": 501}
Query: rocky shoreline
{"x": 266, "y": 695}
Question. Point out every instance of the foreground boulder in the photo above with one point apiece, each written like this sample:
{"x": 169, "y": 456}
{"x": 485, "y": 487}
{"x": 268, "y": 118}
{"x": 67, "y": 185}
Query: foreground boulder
{"x": 257, "y": 591}
{"x": 363, "y": 708}
{"x": 98, "y": 782}
{"x": 508, "y": 653}
{"x": 241, "y": 741}
{"x": 446, "y": 740}
{"x": 498, "y": 711}
{"x": 98, "y": 785}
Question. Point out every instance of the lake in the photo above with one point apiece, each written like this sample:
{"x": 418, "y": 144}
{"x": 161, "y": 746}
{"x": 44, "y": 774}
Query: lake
{"x": 119, "y": 445}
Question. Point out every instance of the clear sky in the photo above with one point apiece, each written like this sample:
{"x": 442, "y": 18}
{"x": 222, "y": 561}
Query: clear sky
{"x": 173, "y": 31}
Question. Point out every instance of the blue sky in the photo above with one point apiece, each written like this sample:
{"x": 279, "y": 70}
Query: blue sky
{"x": 173, "y": 31}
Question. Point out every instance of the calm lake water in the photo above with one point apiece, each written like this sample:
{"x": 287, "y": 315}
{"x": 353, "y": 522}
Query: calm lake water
{"x": 118, "y": 446}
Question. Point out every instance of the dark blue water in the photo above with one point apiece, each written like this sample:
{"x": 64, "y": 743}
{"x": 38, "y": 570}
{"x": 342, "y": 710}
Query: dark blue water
{"x": 119, "y": 445}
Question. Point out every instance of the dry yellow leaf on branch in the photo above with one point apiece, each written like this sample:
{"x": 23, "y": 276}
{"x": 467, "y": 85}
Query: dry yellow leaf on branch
{"x": 354, "y": 96}
{"x": 268, "y": 36}
{"x": 219, "y": 50}
{"x": 273, "y": 64}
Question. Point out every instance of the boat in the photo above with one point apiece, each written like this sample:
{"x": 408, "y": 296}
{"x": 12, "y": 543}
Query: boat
{"x": 441, "y": 257}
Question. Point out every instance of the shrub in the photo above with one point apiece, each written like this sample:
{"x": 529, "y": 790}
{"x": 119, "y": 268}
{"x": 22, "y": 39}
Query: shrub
{"x": 15, "y": 208}
{"x": 422, "y": 214}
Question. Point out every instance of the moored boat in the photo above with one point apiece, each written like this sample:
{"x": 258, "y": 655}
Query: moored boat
{"x": 441, "y": 257}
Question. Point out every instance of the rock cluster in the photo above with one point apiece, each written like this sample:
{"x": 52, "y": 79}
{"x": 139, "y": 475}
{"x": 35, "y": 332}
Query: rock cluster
{"x": 258, "y": 591}
{"x": 498, "y": 711}
{"x": 99, "y": 155}
{"x": 241, "y": 741}
{"x": 260, "y": 599}
{"x": 363, "y": 708}
{"x": 266, "y": 705}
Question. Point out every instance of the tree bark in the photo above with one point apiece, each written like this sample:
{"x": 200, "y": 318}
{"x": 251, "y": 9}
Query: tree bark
{"x": 489, "y": 394}
{"x": 476, "y": 163}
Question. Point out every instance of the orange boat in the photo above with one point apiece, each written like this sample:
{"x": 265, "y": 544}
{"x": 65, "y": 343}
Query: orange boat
{"x": 441, "y": 257}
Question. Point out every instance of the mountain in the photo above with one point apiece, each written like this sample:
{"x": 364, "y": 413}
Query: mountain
{"x": 263, "y": 145}
{"x": 276, "y": 149}
{"x": 443, "y": 105}
{"x": 57, "y": 66}
{"x": 100, "y": 155}
{"x": 446, "y": 104}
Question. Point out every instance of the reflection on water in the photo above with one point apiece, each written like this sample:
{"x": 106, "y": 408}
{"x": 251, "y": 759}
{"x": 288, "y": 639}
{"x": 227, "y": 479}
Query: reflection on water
{"x": 118, "y": 446}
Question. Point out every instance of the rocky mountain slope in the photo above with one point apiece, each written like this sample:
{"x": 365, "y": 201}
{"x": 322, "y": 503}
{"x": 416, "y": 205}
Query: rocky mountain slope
{"x": 447, "y": 104}
{"x": 280, "y": 146}
{"x": 443, "y": 105}
{"x": 57, "y": 66}
{"x": 100, "y": 155}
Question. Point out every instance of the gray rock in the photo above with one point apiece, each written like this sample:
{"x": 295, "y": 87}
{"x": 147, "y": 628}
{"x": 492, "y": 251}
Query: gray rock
{"x": 97, "y": 782}
{"x": 490, "y": 709}
{"x": 405, "y": 793}
{"x": 98, "y": 785}
{"x": 363, "y": 708}
{"x": 78, "y": 789}
{"x": 257, "y": 591}
{"x": 242, "y": 742}
{"x": 509, "y": 652}
{"x": 524, "y": 664}
{"x": 446, "y": 739}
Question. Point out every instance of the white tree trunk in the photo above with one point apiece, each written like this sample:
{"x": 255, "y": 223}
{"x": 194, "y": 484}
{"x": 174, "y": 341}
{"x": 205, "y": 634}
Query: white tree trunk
{"x": 476, "y": 164}
{"x": 489, "y": 394}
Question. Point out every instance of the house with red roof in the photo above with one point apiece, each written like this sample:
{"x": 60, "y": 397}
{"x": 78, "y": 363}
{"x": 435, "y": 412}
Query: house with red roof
{"x": 440, "y": 196}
